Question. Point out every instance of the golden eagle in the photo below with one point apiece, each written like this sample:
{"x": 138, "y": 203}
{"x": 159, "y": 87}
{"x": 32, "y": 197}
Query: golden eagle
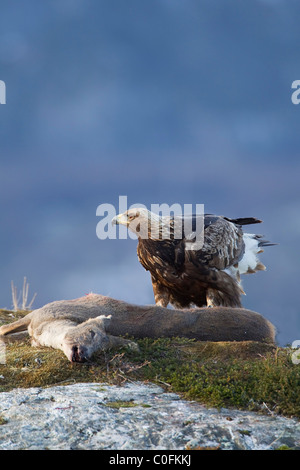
{"x": 203, "y": 276}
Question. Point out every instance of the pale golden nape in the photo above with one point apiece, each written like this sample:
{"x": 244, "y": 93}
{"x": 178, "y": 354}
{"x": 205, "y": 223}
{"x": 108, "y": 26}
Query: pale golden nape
{"x": 141, "y": 222}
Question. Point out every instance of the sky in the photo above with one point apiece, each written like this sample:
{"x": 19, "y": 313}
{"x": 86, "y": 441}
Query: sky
{"x": 162, "y": 102}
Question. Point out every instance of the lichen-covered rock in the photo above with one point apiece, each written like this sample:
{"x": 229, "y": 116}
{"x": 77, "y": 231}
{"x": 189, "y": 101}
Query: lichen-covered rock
{"x": 134, "y": 416}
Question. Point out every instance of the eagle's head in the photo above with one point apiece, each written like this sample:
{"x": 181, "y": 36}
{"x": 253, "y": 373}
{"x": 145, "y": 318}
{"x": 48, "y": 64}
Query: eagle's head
{"x": 139, "y": 220}
{"x": 129, "y": 216}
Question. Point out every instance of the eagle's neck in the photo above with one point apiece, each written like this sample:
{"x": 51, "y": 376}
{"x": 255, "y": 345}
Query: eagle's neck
{"x": 159, "y": 227}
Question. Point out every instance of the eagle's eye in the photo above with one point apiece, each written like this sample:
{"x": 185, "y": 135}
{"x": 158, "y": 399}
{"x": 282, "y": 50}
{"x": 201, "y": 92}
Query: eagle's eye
{"x": 133, "y": 216}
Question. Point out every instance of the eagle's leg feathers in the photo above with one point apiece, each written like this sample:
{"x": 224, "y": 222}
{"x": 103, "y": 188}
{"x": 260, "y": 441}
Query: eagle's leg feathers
{"x": 216, "y": 298}
{"x": 161, "y": 302}
{"x": 224, "y": 290}
{"x": 161, "y": 294}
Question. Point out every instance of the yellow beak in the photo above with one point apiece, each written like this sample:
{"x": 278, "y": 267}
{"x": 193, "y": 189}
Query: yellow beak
{"x": 119, "y": 220}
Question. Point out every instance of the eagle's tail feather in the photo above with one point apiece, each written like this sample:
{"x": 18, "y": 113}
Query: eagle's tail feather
{"x": 250, "y": 263}
{"x": 263, "y": 242}
{"x": 266, "y": 243}
{"x": 244, "y": 220}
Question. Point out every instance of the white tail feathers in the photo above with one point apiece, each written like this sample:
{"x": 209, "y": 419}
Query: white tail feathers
{"x": 250, "y": 262}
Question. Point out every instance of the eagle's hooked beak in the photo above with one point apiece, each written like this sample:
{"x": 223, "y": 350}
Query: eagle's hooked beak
{"x": 125, "y": 219}
{"x": 119, "y": 220}
{"x": 115, "y": 220}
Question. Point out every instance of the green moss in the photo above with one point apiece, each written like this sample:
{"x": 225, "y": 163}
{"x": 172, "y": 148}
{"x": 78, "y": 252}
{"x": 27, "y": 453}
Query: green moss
{"x": 2, "y": 420}
{"x": 245, "y": 375}
{"x": 244, "y": 432}
{"x": 124, "y": 404}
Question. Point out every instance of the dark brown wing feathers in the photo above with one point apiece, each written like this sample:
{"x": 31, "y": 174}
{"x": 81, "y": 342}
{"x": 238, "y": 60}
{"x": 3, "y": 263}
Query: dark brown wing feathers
{"x": 184, "y": 276}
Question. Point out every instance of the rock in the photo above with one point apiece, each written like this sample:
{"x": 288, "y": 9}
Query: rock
{"x": 133, "y": 417}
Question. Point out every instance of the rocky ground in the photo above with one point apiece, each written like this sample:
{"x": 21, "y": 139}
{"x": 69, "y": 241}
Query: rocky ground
{"x": 134, "y": 416}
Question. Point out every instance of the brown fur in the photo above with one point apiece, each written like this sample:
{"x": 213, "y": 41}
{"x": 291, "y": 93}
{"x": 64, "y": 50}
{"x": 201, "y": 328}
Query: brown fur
{"x": 81, "y": 326}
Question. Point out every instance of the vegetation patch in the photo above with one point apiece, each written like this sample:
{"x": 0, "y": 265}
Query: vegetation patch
{"x": 8, "y": 316}
{"x": 125, "y": 404}
{"x": 244, "y": 375}
{"x": 2, "y": 420}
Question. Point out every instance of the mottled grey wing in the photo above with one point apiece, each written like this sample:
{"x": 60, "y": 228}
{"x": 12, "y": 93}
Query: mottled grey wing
{"x": 223, "y": 243}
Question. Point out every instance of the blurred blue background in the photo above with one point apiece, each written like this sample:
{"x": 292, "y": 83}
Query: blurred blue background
{"x": 164, "y": 101}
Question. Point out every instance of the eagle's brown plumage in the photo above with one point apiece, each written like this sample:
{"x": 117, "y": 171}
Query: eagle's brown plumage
{"x": 209, "y": 275}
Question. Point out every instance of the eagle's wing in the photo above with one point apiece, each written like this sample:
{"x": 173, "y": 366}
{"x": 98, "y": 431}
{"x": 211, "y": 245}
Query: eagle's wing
{"x": 223, "y": 244}
{"x": 184, "y": 272}
{"x": 182, "y": 276}
{"x": 165, "y": 261}
{"x": 153, "y": 252}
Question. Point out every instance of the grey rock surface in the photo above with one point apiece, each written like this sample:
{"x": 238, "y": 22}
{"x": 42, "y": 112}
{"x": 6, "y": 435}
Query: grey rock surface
{"x": 131, "y": 417}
